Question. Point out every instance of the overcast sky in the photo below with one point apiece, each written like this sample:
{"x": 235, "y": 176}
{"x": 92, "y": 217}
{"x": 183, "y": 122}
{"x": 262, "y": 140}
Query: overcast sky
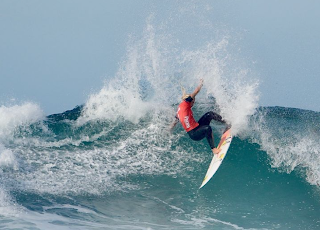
{"x": 56, "y": 53}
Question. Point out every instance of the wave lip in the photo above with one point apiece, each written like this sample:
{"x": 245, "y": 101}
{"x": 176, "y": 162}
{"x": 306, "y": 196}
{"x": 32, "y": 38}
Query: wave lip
{"x": 290, "y": 137}
{"x": 14, "y": 116}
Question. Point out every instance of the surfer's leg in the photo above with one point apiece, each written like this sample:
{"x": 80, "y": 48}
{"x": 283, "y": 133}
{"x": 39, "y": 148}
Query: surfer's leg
{"x": 208, "y": 117}
{"x": 201, "y": 132}
{"x": 198, "y": 133}
{"x": 209, "y": 137}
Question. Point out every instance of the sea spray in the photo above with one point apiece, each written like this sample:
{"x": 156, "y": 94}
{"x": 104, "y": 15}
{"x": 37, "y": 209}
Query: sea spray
{"x": 143, "y": 82}
{"x": 150, "y": 77}
{"x": 12, "y": 117}
{"x": 7, "y": 159}
{"x": 235, "y": 91}
{"x": 290, "y": 138}
{"x": 15, "y": 120}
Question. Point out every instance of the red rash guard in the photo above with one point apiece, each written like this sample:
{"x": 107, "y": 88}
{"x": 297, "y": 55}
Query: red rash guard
{"x": 185, "y": 116}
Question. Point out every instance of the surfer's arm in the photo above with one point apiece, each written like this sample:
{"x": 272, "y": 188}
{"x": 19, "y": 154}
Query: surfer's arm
{"x": 174, "y": 123}
{"x": 197, "y": 90}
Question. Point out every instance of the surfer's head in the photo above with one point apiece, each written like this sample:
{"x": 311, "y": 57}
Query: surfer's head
{"x": 187, "y": 97}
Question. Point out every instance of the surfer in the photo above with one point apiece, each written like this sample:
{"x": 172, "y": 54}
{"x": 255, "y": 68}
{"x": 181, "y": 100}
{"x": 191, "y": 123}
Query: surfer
{"x": 196, "y": 130}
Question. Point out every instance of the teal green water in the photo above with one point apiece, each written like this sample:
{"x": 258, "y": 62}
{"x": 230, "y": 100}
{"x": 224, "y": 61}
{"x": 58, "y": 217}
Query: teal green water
{"x": 102, "y": 174}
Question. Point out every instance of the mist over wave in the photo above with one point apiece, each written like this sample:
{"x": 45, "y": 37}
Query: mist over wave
{"x": 150, "y": 78}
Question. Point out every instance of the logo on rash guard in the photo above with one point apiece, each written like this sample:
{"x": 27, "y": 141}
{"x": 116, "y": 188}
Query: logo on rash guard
{"x": 186, "y": 121}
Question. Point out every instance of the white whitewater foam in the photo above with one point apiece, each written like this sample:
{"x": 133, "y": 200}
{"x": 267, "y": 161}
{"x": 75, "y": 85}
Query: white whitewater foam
{"x": 8, "y": 207}
{"x": 146, "y": 150}
{"x": 12, "y": 117}
{"x": 17, "y": 115}
{"x": 7, "y": 158}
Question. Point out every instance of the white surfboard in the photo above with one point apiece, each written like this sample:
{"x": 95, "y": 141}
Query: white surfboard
{"x": 218, "y": 158}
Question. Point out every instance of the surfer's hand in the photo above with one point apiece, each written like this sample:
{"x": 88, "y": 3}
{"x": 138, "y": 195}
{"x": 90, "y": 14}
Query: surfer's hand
{"x": 216, "y": 151}
{"x": 173, "y": 124}
{"x": 201, "y": 82}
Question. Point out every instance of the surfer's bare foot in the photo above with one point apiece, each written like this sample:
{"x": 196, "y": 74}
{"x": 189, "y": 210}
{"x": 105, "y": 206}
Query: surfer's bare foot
{"x": 216, "y": 151}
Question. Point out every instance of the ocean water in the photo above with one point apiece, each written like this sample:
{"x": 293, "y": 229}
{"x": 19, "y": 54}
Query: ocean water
{"x": 112, "y": 163}
{"x": 58, "y": 173}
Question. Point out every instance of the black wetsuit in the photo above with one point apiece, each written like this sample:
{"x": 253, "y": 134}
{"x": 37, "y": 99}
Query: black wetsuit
{"x": 204, "y": 129}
